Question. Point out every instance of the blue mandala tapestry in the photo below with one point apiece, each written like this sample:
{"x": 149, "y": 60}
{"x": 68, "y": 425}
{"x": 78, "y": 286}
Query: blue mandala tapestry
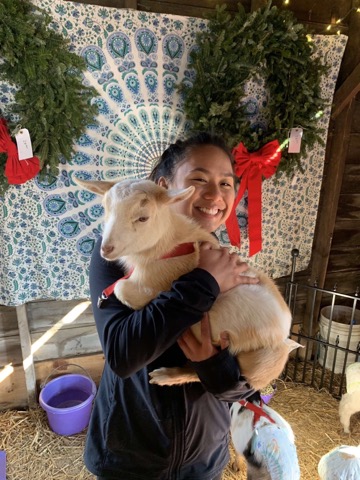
{"x": 135, "y": 60}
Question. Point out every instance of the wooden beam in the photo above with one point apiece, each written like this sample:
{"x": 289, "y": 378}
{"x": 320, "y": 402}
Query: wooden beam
{"x": 27, "y": 356}
{"x": 130, "y": 4}
{"x": 111, "y": 3}
{"x": 346, "y": 92}
{"x": 256, "y": 4}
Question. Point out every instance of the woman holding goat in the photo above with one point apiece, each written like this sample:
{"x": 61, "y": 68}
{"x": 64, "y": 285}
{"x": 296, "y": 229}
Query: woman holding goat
{"x": 143, "y": 431}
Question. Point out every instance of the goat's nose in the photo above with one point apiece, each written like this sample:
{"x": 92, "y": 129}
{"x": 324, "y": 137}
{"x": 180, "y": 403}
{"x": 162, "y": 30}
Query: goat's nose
{"x": 106, "y": 249}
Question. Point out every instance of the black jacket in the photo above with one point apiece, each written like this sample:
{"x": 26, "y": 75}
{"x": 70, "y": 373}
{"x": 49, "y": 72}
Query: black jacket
{"x": 143, "y": 431}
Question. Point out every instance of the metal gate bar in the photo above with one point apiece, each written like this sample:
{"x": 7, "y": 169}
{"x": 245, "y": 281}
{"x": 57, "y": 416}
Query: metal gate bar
{"x": 304, "y": 365}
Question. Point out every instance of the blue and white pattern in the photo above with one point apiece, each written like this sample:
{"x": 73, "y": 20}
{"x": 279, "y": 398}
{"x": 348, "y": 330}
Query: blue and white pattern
{"x": 135, "y": 60}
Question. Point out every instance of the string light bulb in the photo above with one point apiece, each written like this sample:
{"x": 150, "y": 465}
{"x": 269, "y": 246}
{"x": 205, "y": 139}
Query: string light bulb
{"x": 339, "y": 20}
{"x": 286, "y": 2}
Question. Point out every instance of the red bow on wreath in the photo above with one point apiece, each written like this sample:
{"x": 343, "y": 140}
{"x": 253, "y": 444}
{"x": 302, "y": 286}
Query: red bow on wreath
{"x": 251, "y": 167}
{"x": 17, "y": 171}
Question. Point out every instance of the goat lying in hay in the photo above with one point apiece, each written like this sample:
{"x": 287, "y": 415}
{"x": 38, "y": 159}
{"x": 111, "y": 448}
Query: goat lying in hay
{"x": 141, "y": 229}
{"x": 265, "y": 439}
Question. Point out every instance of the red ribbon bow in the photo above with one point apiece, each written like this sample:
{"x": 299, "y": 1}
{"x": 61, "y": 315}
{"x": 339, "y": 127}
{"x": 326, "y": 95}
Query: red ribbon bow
{"x": 17, "y": 171}
{"x": 251, "y": 167}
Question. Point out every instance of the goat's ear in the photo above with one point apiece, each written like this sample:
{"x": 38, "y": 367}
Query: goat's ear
{"x": 180, "y": 195}
{"x": 292, "y": 345}
{"x": 97, "y": 186}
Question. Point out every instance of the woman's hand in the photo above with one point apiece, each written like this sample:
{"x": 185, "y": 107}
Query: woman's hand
{"x": 224, "y": 266}
{"x": 198, "y": 351}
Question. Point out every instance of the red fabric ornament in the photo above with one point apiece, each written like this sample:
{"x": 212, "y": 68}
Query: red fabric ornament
{"x": 251, "y": 167}
{"x": 17, "y": 171}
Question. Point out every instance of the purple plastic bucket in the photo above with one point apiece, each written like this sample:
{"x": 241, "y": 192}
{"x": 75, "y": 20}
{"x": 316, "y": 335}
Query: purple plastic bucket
{"x": 67, "y": 400}
{"x": 268, "y": 393}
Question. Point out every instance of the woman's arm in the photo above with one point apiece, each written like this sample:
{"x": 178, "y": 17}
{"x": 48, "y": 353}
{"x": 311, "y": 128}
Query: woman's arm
{"x": 132, "y": 339}
{"x": 218, "y": 371}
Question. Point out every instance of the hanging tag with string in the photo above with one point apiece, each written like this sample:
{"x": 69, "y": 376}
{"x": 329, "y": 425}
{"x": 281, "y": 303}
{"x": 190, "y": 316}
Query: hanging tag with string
{"x": 295, "y": 137}
{"x": 23, "y": 143}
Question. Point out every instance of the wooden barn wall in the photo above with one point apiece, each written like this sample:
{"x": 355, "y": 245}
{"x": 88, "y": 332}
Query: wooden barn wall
{"x": 56, "y": 342}
{"x": 337, "y": 237}
{"x": 344, "y": 260}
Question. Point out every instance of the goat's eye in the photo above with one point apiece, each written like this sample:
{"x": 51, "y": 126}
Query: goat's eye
{"x": 143, "y": 219}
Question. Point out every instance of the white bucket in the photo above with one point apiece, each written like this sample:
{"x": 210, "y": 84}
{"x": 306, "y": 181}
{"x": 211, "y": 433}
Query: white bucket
{"x": 340, "y": 326}
{"x": 353, "y": 377}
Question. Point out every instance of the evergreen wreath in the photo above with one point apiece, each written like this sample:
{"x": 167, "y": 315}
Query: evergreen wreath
{"x": 269, "y": 44}
{"x": 50, "y": 99}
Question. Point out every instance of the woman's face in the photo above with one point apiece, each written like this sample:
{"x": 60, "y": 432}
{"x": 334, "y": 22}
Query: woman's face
{"x": 209, "y": 170}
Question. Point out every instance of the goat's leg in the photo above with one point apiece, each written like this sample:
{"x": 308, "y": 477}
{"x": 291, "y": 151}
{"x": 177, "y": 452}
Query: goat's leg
{"x": 257, "y": 472}
{"x": 238, "y": 462}
{"x": 131, "y": 294}
{"x": 173, "y": 376}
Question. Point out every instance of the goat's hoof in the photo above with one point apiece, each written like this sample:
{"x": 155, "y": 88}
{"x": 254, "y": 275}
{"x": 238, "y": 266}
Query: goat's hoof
{"x": 159, "y": 377}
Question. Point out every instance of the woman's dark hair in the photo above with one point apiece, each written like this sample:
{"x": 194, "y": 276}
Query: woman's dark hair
{"x": 178, "y": 151}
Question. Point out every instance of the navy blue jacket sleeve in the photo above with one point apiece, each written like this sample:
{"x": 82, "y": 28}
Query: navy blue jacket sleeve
{"x": 221, "y": 376}
{"x": 131, "y": 339}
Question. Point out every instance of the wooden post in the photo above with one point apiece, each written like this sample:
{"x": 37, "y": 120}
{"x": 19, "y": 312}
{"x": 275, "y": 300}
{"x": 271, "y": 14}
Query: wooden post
{"x": 28, "y": 362}
{"x": 346, "y": 92}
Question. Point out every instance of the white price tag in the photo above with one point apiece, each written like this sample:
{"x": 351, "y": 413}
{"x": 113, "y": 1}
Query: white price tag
{"x": 24, "y": 146}
{"x": 295, "y": 140}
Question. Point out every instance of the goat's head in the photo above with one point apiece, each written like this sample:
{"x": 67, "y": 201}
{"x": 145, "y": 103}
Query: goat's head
{"x": 136, "y": 214}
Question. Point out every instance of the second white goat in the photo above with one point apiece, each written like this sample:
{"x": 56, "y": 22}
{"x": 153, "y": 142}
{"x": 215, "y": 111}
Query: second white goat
{"x": 265, "y": 439}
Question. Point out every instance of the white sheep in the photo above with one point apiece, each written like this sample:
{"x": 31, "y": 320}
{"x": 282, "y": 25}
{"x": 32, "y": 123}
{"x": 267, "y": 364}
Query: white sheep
{"x": 266, "y": 441}
{"x": 341, "y": 463}
{"x": 140, "y": 229}
{"x": 350, "y": 401}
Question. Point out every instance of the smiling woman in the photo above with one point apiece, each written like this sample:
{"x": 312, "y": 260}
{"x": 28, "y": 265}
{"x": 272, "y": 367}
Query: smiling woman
{"x": 190, "y": 424}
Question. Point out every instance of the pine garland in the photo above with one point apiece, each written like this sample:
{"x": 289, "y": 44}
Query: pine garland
{"x": 50, "y": 99}
{"x": 269, "y": 44}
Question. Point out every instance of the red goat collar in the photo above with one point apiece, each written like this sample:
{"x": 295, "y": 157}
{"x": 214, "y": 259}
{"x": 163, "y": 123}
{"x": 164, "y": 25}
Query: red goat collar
{"x": 258, "y": 411}
{"x": 182, "y": 249}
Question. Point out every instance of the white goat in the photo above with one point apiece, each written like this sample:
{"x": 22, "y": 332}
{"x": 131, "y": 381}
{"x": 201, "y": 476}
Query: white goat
{"x": 140, "y": 229}
{"x": 341, "y": 463}
{"x": 350, "y": 401}
{"x": 265, "y": 439}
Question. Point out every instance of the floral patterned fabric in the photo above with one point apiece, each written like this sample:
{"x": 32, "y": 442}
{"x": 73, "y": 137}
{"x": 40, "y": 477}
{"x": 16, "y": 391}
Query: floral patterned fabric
{"x": 134, "y": 60}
